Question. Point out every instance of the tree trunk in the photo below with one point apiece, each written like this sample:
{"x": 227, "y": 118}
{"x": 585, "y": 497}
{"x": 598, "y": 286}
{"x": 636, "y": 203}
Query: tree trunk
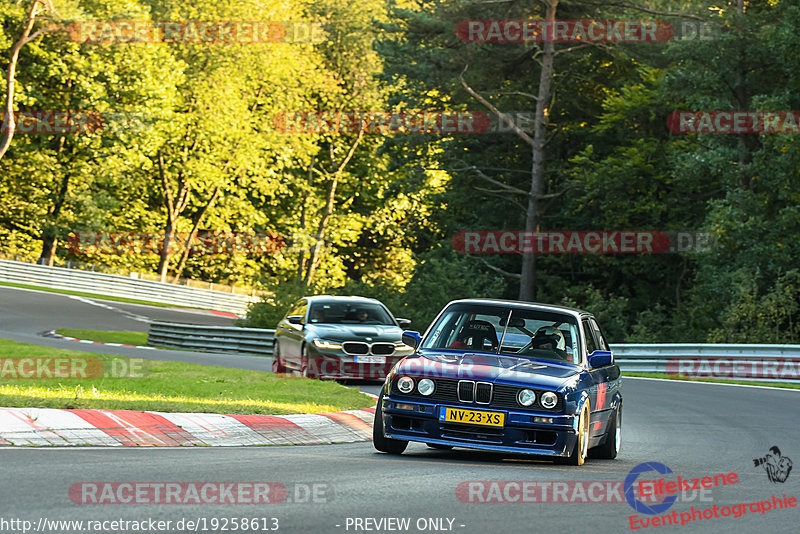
{"x": 201, "y": 215}
{"x": 49, "y": 245}
{"x": 50, "y": 231}
{"x": 316, "y": 250}
{"x": 8, "y": 124}
{"x": 314, "y": 256}
{"x": 174, "y": 205}
{"x": 527, "y": 287}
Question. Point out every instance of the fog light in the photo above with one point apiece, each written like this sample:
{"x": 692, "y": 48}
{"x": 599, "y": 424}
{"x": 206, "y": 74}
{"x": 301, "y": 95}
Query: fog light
{"x": 403, "y": 406}
{"x": 548, "y": 420}
{"x": 426, "y": 386}
{"x": 405, "y": 385}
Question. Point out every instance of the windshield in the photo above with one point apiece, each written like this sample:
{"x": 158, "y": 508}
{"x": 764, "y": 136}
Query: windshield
{"x": 506, "y": 330}
{"x": 332, "y": 312}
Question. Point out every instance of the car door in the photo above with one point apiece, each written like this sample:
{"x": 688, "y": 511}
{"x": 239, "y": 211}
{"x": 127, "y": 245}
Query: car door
{"x": 292, "y": 335}
{"x": 599, "y": 394}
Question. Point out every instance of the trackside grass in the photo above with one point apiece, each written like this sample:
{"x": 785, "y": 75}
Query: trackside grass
{"x": 106, "y": 336}
{"x": 120, "y": 383}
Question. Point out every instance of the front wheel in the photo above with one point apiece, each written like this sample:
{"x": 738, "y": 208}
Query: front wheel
{"x": 305, "y": 366}
{"x": 579, "y": 451}
{"x": 381, "y": 442}
{"x": 277, "y": 364}
{"x": 613, "y": 443}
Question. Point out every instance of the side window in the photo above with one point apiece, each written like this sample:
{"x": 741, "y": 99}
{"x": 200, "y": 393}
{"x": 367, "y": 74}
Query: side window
{"x": 601, "y": 340}
{"x": 300, "y": 309}
{"x": 591, "y": 346}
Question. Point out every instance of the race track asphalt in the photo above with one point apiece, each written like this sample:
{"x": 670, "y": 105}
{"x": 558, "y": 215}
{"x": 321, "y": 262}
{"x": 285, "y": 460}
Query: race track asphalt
{"x": 695, "y": 429}
{"x": 26, "y": 314}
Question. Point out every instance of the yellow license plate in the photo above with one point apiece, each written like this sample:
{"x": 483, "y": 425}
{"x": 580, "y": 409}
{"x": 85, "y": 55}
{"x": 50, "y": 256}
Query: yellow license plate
{"x": 472, "y": 417}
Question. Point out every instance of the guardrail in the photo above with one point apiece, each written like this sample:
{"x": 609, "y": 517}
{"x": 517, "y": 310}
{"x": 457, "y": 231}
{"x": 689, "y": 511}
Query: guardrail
{"x": 121, "y": 286}
{"x": 704, "y": 360}
{"x": 211, "y": 338}
{"x": 755, "y": 362}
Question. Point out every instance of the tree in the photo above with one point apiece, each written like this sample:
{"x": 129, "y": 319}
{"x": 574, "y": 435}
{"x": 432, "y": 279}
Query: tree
{"x": 35, "y": 10}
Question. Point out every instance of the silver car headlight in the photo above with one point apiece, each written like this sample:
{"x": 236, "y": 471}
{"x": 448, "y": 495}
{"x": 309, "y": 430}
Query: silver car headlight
{"x": 548, "y": 400}
{"x": 426, "y": 386}
{"x": 405, "y": 384}
{"x": 526, "y": 397}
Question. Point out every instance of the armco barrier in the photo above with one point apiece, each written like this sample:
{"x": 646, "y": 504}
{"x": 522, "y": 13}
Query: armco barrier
{"x": 712, "y": 360}
{"x": 704, "y": 360}
{"x": 211, "y": 338}
{"x": 121, "y": 286}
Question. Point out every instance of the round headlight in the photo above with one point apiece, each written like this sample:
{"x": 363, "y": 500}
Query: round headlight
{"x": 549, "y": 400}
{"x": 405, "y": 385}
{"x": 526, "y": 397}
{"x": 425, "y": 386}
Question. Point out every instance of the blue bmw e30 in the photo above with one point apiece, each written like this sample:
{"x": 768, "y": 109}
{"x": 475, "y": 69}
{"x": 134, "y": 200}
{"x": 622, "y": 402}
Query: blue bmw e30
{"x": 505, "y": 376}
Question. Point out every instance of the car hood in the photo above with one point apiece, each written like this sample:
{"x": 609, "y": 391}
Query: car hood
{"x": 491, "y": 368}
{"x": 355, "y": 332}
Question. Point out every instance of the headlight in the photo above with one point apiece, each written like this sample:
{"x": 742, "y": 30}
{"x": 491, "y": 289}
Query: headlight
{"x": 526, "y": 397}
{"x": 405, "y": 385}
{"x": 548, "y": 400}
{"x": 324, "y": 344}
{"x": 426, "y": 386}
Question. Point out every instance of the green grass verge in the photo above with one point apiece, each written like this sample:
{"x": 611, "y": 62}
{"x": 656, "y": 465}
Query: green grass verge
{"x": 92, "y": 295}
{"x": 106, "y": 336}
{"x": 133, "y": 384}
{"x": 787, "y": 385}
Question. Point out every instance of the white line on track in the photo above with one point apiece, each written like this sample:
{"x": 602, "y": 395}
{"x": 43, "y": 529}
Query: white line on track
{"x": 129, "y": 315}
{"x": 707, "y": 383}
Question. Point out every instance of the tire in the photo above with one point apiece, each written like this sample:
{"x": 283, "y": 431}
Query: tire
{"x": 613, "y": 443}
{"x": 439, "y": 447}
{"x": 580, "y": 450}
{"x": 381, "y": 442}
{"x": 304, "y": 367}
{"x": 277, "y": 365}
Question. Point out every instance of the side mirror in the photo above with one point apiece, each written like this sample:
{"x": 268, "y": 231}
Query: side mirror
{"x": 600, "y": 358}
{"x": 411, "y": 338}
{"x": 295, "y": 319}
{"x": 404, "y": 323}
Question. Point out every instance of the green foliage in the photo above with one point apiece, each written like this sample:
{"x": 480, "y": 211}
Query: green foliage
{"x": 612, "y": 163}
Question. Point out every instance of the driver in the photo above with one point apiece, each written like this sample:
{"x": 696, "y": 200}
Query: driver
{"x": 549, "y": 337}
{"x": 317, "y": 315}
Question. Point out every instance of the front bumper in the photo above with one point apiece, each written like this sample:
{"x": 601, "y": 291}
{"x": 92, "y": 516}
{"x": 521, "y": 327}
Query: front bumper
{"x": 519, "y": 434}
